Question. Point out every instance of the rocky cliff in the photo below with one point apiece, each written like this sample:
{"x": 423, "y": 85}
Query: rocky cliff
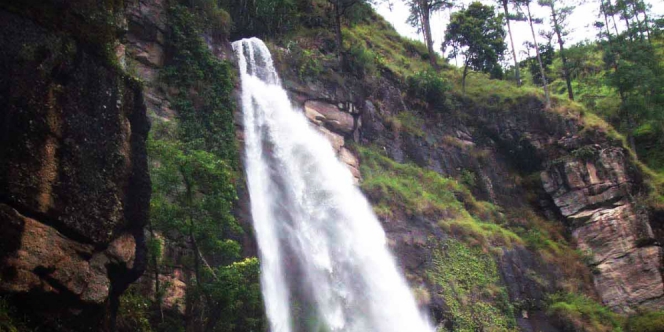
{"x": 74, "y": 186}
{"x": 569, "y": 197}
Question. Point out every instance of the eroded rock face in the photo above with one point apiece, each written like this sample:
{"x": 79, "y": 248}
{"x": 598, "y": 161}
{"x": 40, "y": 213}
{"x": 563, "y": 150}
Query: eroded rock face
{"x": 74, "y": 187}
{"x": 329, "y": 116}
{"x": 336, "y": 125}
{"x": 595, "y": 196}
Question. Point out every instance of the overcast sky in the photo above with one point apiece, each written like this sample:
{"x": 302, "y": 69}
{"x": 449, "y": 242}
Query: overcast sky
{"x": 580, "y": 22}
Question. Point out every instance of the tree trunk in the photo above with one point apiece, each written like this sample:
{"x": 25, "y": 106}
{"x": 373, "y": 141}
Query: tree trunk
{"x": 426, "y": 26}
{"x": 157, "y": 286}
{"x": 539, "y": 59}
{"x": 638, "y": 21}
{"x": 606, "y": 20}
{"x": 645, "y": 22}
{"x": 626, "y": 18}
{"x": 613, "y": 16}
{"x": 463, "y": 78}
{"x": 339, "y": 36}
{"x": 556, "y": 26}
{"x": 509, "y": 29}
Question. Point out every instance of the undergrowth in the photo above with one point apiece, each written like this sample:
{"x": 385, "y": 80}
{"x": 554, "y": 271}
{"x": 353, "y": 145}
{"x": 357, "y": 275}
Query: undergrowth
{"x": 580, "y": 313}
{"x": 469, "y": 282}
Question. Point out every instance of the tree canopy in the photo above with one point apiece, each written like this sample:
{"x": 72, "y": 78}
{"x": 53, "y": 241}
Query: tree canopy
{"x": 478, "y": 35}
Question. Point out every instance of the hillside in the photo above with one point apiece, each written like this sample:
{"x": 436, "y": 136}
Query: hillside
{"x": 503, "y": 214}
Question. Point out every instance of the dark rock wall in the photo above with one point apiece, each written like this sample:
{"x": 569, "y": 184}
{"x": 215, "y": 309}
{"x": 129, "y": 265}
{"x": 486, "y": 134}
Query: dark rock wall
{"x": 74, "y": 185}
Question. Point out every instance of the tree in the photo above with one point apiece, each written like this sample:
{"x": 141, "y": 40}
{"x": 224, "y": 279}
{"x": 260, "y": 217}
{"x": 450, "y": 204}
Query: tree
{"x": 477, "y": 34}
{"x": 339, "y": 10}
{"x": 532, "y": 21}
{"x": 192, "y": 206}
{"x": 508, "y": 17}
{"x": 558, "y": 21}
{"x": 420, "y": 17}
{"x": 547, "y": 54}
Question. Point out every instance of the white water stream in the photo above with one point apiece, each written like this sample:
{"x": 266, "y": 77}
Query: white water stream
{"x": 325, "y": 264}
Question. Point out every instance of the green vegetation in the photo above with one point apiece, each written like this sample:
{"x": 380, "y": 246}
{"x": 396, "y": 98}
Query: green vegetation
{"x": 652, "y": 321}
{"x": 134, "y": 312}
{"x": 8, "y": 321}
{"x": 429, "y": 87}
{"x": 470, "y": 284}
{"x": 396, "y": 55}
{"x": 262, "y": 17}
{"x": 580, "y": 313}
{"x": 411, "y": 189}
{"x": 206, "y": 118}
{"x": 478, "y": 35}
{"x": 194, "y": 170}
{"x": 405, "y": 188}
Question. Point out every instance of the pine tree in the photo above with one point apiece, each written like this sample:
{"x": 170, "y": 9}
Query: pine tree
{"x": 559, "y": 16}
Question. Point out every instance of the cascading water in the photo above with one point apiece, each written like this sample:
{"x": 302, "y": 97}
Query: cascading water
{"x": 324, "y": 258}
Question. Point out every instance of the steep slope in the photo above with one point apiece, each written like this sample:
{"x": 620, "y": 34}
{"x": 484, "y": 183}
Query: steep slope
{"x": 544, "y": 202}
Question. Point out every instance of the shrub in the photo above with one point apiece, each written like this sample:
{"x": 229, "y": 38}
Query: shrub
{"x": 646, "y": 322}
{"x": 429, "y": 87}
{"x": 360, "y": 61}
{"x": 133, "y": 312}
{"x": 576, "y": 312}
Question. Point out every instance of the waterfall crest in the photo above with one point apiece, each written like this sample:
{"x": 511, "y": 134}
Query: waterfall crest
{"x": 325, "y": 264}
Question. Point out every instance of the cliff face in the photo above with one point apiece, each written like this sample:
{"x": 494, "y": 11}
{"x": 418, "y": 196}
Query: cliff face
{"x": 532, "y": 164}
{"x": 74, "y": 187}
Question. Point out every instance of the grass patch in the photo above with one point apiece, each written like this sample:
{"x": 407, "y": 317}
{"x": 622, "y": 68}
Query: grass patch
{"x": 482, "y": 234}
{"x": 470, "y": 284}
{"x": 580, "y": 313}
{"x": 410, "y": 189}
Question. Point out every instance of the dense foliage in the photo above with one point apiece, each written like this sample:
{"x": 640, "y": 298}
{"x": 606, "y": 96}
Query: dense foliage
{"x": 194, "y": 171}
{"x": 477, "y": 34}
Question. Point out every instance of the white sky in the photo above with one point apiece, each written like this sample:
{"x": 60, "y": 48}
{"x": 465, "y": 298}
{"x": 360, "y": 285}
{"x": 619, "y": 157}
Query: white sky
{"x": 580, "y": 22}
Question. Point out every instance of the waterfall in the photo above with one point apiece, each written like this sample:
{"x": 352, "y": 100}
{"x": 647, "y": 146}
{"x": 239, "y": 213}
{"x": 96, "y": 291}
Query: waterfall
{"x": 325, "y": 264}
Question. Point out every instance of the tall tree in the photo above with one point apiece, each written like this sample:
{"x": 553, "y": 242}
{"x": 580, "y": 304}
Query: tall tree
{"x": 339, "y": 10}
{"x": 532, "y": 22}
{"x": 420, "y": 17}
{"x": 477, "y": 34}
{"x": 559, "y": 16}
{"x": 508, "y": 17}
{"x": 547, "y": 54}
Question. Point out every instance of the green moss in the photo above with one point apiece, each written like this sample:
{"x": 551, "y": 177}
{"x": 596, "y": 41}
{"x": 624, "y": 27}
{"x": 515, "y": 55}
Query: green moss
{"x": 483, "y": 234}
{"x": 409, "y": 188}
{"x": 646, "y": 322}
{"x": 469, "y": 282}
{"x": 204, "y": 102}
{"x": 406, "y": 188}
{"x": 580, "y": 313}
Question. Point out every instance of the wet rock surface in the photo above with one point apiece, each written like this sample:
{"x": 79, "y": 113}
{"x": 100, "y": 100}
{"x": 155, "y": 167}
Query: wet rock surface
{"x": 74, "y": 187}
